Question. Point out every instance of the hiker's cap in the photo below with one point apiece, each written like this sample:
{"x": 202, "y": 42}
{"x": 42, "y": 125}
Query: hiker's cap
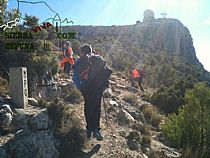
{"x": 68, "y": 43}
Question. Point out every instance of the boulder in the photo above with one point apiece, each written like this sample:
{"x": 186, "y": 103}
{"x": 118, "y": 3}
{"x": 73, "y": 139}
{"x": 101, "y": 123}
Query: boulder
{"x": 112, "y": 82}
{"x": 134, "y": 145}
{"x": 145, "y": 156}
{"x": 121, "y": 86}
{"x": 170, "y": 152}
{"x": 33, "y": 102}
{"x": 164, "y": 151}
{"x": 134, "y": 114}
{"x": 49, "y": 92}
{"x": 134, "y": 140}
{"x": 40, "y": 120}
{"x": 27, "y": 144}
{"x": 117, "y": 91}
{"x": 113, "y": 103}
{"x": 108, "y": 93}
{"x": 5, "y": 115}
{"x": 66, "y": 87}
{"x": 20, "y": 120}
{"x": 53, "y": 92}
{"x": 124, "y": 117}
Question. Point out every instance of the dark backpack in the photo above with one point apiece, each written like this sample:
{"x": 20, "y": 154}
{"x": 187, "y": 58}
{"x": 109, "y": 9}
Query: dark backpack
{"x": 94, "y": 69}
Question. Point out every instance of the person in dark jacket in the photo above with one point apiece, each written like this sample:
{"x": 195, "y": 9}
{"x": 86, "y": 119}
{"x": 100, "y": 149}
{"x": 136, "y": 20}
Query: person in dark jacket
{"x": 91, "y": 91}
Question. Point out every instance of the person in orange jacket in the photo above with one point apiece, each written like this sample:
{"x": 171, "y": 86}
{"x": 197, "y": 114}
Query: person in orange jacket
{"x": 67, "y": 57}
{"x": 136, "y": 77}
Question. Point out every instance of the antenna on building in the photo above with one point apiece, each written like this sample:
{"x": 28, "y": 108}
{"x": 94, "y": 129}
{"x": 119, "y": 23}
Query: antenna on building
{"x": 164, "y": 15}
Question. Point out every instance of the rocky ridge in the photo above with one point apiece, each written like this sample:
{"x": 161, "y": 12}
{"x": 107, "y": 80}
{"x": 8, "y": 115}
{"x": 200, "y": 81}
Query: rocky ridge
{"x": 126, "y": 124}
{"x": 163, "y": 34}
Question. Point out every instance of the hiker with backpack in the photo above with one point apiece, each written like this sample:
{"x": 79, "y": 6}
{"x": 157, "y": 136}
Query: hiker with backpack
{"x": 91, "y": 77}
{"x": 136, "y": 77}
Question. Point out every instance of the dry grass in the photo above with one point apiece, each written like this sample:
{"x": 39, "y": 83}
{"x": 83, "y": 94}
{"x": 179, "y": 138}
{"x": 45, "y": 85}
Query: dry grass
{"x": 190, "y": 153}
{"x": 74, "y": 96}
{"x": 146, "y": 141}
{"x": 67, "y": 129}
{"x": 131, "y": 99}
{"x": 152, "y": 115}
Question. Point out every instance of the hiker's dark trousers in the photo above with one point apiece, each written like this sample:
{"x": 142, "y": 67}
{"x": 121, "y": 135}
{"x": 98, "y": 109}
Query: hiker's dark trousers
{"x": 139, "y": 81}
{"x": 67, "y": 67}
{"x": 92, "y": 108}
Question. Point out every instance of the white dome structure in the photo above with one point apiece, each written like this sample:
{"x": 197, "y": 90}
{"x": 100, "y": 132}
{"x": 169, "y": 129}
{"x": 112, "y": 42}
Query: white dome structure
{"x": 148, "y": 16}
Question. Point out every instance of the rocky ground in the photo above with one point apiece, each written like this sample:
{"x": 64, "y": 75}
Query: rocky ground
{"x": 129, "y": 125}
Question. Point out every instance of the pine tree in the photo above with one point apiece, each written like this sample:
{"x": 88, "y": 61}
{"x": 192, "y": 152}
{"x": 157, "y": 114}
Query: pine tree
{"x": 191, "y": 127}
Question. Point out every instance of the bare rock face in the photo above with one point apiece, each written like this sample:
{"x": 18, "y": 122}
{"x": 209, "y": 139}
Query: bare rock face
{"x": 33, "y": 102}
{"x": 125, "y": 118}
{"x": 108, "y": 93}
{"x": 134, "y": 140}
{"x": 36, "y": 119}
{"x": 164, "y": 151}
{"x": 21, "y": 119}
{"x": 162, "y": 34}
{"x": 28, "y": 144}
{"x": 40, "y": 120}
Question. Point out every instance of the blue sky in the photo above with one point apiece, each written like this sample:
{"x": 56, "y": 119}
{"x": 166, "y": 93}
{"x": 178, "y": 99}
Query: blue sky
{"x": 194, "y": 14}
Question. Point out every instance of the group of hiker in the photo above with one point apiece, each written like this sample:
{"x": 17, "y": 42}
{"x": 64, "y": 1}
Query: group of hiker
{"x": 91, "y": 77}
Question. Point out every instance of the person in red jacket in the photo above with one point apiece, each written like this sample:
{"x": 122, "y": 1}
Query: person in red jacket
{"x": 136, "y": 77}
{"x": 67, "y": 57}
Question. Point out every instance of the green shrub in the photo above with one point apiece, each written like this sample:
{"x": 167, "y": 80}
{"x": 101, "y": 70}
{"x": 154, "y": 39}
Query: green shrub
{"x": 190, "y": 153}
{"x": 191, "y": 126}
{"x": 3, "y": 87}
{"x": 56, "y": 111}
{"x": 40, "y": 64}
{"x": 169, "y": 99}
{"x": 121, "y": 61}
{"x": 144, "y": 129}
{"x": 152, "y": 115}
{"x": 72, "y": 143}
{"x": 67, "y": 129}
{"x": 147, "y": 97}
{"x": 146, "y": 141}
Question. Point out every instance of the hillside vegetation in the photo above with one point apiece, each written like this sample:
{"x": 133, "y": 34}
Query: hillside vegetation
{"x": 177, "y": 85}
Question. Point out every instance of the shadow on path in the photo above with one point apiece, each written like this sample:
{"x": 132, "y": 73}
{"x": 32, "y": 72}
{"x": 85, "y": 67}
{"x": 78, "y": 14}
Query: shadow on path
{"x": 93, "y": 151}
